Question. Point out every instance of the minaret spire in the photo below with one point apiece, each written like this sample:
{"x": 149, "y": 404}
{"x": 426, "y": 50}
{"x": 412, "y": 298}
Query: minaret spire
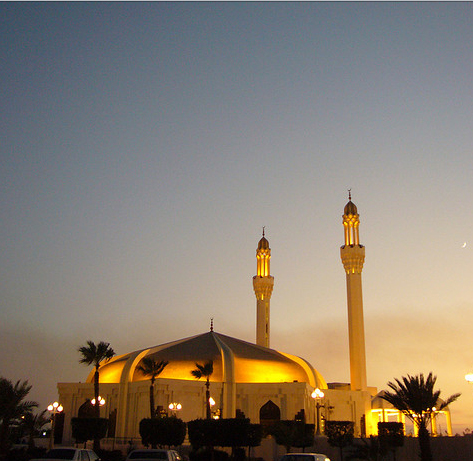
{"x": 353, "y": 257}
{"x": 263, "y": 284}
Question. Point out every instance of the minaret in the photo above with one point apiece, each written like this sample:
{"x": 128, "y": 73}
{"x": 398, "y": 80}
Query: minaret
{"x": 353, "y": 257}
{"x": 263, "y": 285}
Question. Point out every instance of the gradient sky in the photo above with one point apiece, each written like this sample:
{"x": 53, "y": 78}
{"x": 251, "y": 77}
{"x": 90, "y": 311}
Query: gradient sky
{"x": 144, "y": 145}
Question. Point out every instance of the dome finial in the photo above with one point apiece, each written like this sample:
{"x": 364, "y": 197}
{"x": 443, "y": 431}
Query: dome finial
{"x": 263, "y": 230}
{"x": 211, "y": 324}
{"x": 350, "y": 207}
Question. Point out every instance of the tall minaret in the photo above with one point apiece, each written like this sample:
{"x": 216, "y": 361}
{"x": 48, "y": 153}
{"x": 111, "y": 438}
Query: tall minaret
{"x": 263, "y": 285}
{"x": 353, "y": 257}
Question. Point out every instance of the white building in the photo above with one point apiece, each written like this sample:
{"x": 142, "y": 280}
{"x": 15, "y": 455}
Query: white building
{"x": 250, "y": 379}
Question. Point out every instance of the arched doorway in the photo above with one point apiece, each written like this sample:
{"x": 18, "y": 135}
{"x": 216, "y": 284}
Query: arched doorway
{"x": 86, "y": 410}
{"x": 269, "y": 414}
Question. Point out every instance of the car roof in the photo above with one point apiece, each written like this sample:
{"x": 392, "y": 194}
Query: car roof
{"x": 304, "y": 454}
{"x": 146, "y": 453}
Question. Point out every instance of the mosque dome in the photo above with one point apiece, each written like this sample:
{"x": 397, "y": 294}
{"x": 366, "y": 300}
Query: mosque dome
{"x": 263, "y": 244}
{"x": 233, "y": 360}
{"x": 350, "y": 209}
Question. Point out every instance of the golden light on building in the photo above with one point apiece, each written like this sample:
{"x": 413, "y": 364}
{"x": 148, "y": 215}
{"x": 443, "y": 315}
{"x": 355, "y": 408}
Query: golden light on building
{"x": 263, "y": 284}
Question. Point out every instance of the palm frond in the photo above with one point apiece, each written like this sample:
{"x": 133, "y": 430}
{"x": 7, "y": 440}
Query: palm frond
{"x": 12, "y": 399}
{"x": 197, "y": 373}
{"x": 204, "y": 370}
{"x": 416, "y": 398}
{"x": 151, "y": 367}
{"x": 95, "y": 353}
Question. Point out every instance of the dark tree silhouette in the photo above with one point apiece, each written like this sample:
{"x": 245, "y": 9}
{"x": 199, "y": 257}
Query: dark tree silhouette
{"x": 12, "y": 407}
{"x": 340, "y": 434}
{"x": 33, "y": 423}
{"x": 416, "y": 398}
{"x": 95, "y": 354}
{"x": 150, "y": 367}
{"x": 205, "y": 371}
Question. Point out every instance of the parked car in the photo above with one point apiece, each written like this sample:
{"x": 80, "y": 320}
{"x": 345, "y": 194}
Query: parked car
{"x": 304, "y": 457}
{"x": 69, "y": 454}
{"x": 150, "y": 454}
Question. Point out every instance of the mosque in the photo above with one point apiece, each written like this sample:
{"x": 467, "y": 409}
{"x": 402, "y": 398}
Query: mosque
{"x": 249, "y": 380}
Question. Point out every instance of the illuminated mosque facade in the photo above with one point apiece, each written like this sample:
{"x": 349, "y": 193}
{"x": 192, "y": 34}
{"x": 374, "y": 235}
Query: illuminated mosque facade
{"x": 249, "y": 380}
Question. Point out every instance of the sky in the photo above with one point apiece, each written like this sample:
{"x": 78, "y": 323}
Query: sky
{"x": 145, "y": 145}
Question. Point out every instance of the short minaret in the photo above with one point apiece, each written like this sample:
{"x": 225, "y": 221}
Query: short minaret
{"x": 263, "y": 284}
{"x": 353, "y": 257}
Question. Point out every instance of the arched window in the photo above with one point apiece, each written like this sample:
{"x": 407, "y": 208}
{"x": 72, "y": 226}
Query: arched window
{"x": 269, "y": 414}
{"x": 86, "y": 410}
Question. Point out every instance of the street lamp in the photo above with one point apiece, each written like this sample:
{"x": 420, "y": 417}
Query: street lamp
{"x": 175, "y": 407}
{"x": 54, "y": 408}
{"x": 101, "y": 401}
{"x": 215, "y": 413}
{"x": 318, "y": 395}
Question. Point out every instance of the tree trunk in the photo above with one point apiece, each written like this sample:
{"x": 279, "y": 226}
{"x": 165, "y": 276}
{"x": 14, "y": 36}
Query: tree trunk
{"x": 31, "y": 438}
{"x": 4, "y": 430}
{"x": 97, "y": 405}
{"x": 424, "y": 442}
{"x": 152, "y": 410}
{"x": 96, "y": 393}
{"x": 207, "y": 398}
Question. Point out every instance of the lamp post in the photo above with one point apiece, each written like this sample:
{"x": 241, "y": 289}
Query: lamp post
{"x": 318, "y": 395}
{"x": 101, "y": 401}
{"x": 215, "y": 413}
{"x": 175, "y": 407}
{"x": 54, "y": 408}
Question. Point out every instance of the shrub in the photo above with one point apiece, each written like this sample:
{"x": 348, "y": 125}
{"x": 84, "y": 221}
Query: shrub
{"x": 390, "y": 436}
{"x": 340, "y": 434}
{"x": 84, "y": 429}
{"x": 292, "y": 434}
{"x": 170, "y": 431}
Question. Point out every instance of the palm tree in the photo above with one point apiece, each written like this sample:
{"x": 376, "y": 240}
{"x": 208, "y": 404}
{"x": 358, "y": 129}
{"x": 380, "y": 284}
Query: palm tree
{"x": 33, "y": 423}
{"x": 96, "y": 354}
{"x": 416, "y": 398}
{"x": 150, "y": 367}
{"x": 205, "y": 371}
{"x": 12, "y": 407}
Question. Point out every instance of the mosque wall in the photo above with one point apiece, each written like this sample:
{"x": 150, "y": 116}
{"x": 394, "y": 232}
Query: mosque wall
{"x": 290, "y": 398}
{"x": 348, "y": 405}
